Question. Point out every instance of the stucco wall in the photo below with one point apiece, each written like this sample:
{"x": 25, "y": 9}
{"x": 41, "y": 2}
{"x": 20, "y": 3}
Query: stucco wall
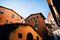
{"x": 24, "y": 30}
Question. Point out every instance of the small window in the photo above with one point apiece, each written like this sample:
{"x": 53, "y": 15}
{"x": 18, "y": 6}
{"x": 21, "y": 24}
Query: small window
{"x": 21, "y": 18}
{"x": 19, "y": 35}
{"x": 37, "y": 17}
{"x": 28, "y": 20}
{"x": 35, "y": 21}
{"x": 34, "y": 18}
{"x": 10, "y": 22}
{"x": 0, "y": 18}
{"x": 6, "y": 22}
{"x": 12, "y": 15}
{"x": 2, "y": 11}
{"x": 37, "y": 38}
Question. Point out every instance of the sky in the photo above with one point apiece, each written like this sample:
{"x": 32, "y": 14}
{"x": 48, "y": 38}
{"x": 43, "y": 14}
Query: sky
{"x": 27, "y": 7}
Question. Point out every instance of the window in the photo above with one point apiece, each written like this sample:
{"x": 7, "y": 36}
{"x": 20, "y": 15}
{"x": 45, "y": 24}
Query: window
{"x": 19, "y": 35}
{"x": 10, "y": 22}
{"x": 37, "y": 17}
{"x": 12, "y": 15}
{"x": 28, "y": 20}
{"x": 37, "y": 38}
{"x": 29, "y": 36}
{"x": 36, "y": 26}
{"x": 34, "y": 18}
{"x": 35, "y": 21}
{"x": 21, "y": 18}
{"x": 6, "y": 22}
{"x": 2, "y": 11}
{"x": 0, "y": 18}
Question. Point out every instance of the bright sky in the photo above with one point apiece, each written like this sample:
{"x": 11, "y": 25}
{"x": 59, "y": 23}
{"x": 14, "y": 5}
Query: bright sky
{"x": 27, "y": 7}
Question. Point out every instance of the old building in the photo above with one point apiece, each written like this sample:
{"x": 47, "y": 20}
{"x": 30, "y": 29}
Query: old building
{"x": 54, "y": 27}
{"x": 55, "y": 9}
{"x": 25, "y": 32}
{"x": 52, "y": 22}
{"x": 38, "y": 22}
{"x": 9, "y": 16}
{"x": 18, "y": 31}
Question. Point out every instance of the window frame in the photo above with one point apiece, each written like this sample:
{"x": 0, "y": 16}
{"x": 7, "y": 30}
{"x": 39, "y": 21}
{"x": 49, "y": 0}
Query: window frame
{"x": 6, "y": 21}
{"x": 12, "y": 16}
{"x": 2, "y": 11}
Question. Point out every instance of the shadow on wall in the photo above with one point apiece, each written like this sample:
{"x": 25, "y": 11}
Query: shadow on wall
{"x": 6, "y": 29}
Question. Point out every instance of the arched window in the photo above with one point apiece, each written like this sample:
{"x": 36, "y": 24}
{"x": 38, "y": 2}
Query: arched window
{"x": 6, "y": 21}
{"x": 29, "y": 36}
{"x": 37, "y": 38}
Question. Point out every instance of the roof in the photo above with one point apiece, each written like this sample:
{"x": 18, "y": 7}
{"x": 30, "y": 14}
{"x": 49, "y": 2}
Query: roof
{"x": 11, "y": 10}
{"x": 12, "y": 27}
{"x": 36, "y": 14}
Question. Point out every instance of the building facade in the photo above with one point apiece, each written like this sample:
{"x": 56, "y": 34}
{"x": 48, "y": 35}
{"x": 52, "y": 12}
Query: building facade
{"x": 38, "y": 22}
{"x": 18, "y": 31}
{"x": 25, "y": 32}
{"x": 9, "y": 16}
{"x": 54, "y": 7}
{"x": 54, "y": 27}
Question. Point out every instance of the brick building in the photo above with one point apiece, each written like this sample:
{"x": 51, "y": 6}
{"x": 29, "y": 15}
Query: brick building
{"x": 38, "y": 22}
{"x": 9, "y": 16}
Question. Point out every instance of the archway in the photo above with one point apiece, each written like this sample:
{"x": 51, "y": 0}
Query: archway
{"x": 29, "y": 36}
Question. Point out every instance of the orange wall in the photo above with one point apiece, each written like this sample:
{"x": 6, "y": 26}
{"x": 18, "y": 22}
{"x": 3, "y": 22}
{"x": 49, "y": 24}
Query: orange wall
{"x": 24, "y": 30}
{"x": 8, "y": 16}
